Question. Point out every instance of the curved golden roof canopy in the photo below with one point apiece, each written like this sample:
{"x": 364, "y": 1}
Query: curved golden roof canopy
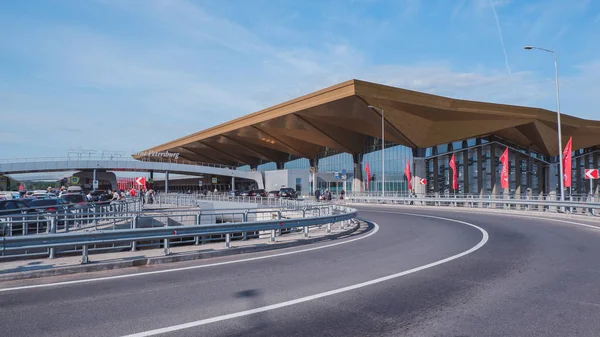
{"x": 338, "y": 117}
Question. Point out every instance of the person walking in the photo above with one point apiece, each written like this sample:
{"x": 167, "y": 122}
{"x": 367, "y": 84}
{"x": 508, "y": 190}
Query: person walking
{"x": 317, "y": 194}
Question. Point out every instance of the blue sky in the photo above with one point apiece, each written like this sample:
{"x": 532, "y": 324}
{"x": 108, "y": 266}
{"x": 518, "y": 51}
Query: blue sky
{"x": 124, "y": 75}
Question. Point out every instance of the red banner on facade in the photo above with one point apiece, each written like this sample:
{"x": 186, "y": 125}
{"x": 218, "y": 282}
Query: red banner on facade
{"x": 454, "y": 173}
{"x": 504, "y": 172}
{"x": 567, "y": 162}
{"x": 408, "y": 175}
{"x": 368, "y": 171}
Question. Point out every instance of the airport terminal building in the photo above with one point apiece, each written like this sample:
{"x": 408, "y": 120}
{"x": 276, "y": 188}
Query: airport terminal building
{"x": 332, "y": 139}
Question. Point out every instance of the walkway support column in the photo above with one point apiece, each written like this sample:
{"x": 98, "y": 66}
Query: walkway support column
{"x": 357, "y": 181}
{"x": 419, "y": 172}
{"x": 493, "y": 168}
{"x": 314, "y": 169}
{"x": 166, "y": 182}
{"x": 93, "y": 180}
{"x": 233, "y": 183}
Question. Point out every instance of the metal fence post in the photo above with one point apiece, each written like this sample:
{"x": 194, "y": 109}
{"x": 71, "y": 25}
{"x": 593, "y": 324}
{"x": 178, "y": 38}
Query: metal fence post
{"x": 134, "y": 223}
{"x": 84, "y": 254}
{"x": 228, "y": 240}
{"x": 52, "y": 254}
{"x": 166, "y": 250}
{"x": 245, "y": 219}
{"x": 198, "y": 220}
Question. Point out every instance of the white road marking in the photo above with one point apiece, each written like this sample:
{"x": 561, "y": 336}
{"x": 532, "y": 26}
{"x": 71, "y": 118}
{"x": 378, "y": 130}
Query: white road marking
{"x": 55, "y": 284}
{"x": 494, "y": 213}
{"x": 323, "y": 294}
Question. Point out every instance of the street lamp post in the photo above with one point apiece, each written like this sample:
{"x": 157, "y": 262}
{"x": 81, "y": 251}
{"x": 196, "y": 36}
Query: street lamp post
{"x": 382, "y": 148}
{"x": 560, "y": 154}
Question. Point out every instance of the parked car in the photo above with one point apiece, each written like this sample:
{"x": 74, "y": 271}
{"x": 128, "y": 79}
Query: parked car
{"x": 258, "y": 193}
{"x": 273, "y": 194}
{"x": 8, "y": 207}
{"x": 245, "y": 193}
{"x": 233, "y": 193}
{"x": 287, "y": 192}
{"x": 48, "y": 205}
{"x": 100, "y": 196}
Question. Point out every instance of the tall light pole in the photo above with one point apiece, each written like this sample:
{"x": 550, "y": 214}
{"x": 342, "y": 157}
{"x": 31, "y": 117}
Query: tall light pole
{"x": 560, "y": 154}
{"x": 382, "y": 148}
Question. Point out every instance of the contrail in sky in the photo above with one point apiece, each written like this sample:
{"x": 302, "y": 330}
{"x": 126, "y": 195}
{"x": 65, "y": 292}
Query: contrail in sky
{"x": 500, "y": 34}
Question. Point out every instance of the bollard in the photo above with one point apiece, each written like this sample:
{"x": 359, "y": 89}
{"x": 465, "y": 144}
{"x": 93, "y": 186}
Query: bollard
{"x": 52, "y": 254}
{"x": 227, "y": 240}
{"x": 329, "y": 228}
{"x": 272, "y": 235}
{"x": 84, "y": 254}
{"x": 166, "y": 250}
{"x": 306, "y": 231}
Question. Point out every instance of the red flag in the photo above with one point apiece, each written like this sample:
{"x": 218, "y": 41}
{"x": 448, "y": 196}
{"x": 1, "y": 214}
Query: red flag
{"x": 454, "y": 173}
{"x": 567, "y": 162}
{"x": 504, "y": 173}
{"x": 407, "y": 174}
{"x": 368, "y": 171}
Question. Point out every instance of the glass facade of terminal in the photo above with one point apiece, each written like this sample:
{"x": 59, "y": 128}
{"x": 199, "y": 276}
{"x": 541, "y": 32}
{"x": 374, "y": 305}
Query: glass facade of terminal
{"x": 477, "y": 160}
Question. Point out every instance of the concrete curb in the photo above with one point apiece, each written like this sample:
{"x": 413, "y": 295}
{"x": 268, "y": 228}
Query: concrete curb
{"x": 176, "y": 257}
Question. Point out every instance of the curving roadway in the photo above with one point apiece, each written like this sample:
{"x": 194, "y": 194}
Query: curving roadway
{"x": 417, "y": 272}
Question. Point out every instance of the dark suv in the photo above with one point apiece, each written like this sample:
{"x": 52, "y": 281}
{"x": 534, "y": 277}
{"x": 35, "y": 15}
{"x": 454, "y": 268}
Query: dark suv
{"x": 287, "y": 192}
{"x": 8, "y": 207}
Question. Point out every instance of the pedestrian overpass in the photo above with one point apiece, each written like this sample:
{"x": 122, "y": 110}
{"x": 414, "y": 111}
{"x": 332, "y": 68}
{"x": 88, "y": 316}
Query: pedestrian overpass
{"x": 117, "y": 163}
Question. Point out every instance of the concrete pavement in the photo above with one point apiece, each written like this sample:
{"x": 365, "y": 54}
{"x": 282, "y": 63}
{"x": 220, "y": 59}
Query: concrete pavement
{"x": 533, "y": 277}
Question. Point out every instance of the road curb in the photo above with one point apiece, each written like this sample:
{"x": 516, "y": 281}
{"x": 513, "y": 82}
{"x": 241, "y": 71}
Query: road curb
{"x": 176, "y": 257}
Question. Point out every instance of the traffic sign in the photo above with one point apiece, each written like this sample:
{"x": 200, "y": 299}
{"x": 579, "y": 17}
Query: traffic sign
{"x": 200, "y": 183}
{"x": 344, "y": 172}
{"x": 336, "y": 175}
{"x": 140, "y": 181}
{"x": 344, "y": 177}
{"x": 214, "y": 180}
{"x": 95, "y": 184}
{"x": 591, "y": 174}
{"x": 74, "y": 180}
{"x": 423, "y": 181}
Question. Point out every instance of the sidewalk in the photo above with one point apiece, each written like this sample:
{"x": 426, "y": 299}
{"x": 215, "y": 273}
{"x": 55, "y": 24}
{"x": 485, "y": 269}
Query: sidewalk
{"x": 62, "y": 265}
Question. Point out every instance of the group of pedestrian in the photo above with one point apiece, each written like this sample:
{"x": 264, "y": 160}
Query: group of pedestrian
{"x": 325, "y": 196}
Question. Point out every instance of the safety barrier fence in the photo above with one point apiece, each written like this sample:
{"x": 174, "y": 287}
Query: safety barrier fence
{"x": 572, "y": 207}
{"x": 541, "y": 197}
{"x": 68, "y": 217}
{"x": 135, "y": 237}
{"x": 195, "y": 199}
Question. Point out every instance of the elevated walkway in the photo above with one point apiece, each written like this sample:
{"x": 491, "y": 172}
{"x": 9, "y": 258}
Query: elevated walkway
{"x": 83, "y": 163}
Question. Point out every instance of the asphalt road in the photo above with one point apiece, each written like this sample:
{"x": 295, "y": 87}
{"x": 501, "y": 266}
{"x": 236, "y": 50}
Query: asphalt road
{"x": 533, "y": 277}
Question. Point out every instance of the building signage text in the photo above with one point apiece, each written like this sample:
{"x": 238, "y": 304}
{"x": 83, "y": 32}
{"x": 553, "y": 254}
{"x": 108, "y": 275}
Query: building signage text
{"x": 165, "y": 154}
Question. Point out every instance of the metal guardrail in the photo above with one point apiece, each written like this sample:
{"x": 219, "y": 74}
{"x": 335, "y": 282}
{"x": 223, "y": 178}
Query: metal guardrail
{"x": 549, "y": 197}
{"x": 135, "y": 235}
{"x": 194, "y": 199}
{"x": 574, "y": 207}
